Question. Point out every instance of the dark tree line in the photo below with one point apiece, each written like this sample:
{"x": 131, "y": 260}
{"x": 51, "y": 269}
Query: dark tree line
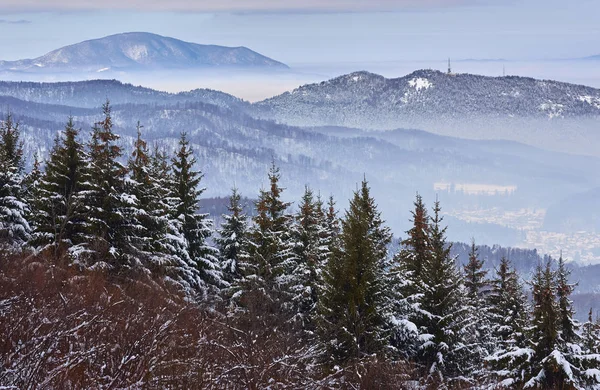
{"x": 319, "y": 293}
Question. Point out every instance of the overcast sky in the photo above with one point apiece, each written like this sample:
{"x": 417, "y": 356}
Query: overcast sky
{"x": 317, "y": 31}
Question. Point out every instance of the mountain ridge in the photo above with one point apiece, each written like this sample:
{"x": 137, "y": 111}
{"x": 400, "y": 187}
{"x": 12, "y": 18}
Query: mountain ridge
{"x": 542, "y": 113}
{"x": 140, "y": 51}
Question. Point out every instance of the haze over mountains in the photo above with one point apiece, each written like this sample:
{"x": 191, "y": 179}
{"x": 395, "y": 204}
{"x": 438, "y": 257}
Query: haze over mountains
{"x": 236, "y": 141}
{"x": 537, "y": 112}
{"x": 140, "y": 51}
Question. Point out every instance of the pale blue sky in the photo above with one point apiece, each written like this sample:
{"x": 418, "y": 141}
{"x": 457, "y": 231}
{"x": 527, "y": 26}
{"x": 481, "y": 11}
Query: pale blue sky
{"x": 322, "y": 31}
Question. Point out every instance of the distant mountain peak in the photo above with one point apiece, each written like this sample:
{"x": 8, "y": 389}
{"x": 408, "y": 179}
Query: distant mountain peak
{"x": 139, "y": 51}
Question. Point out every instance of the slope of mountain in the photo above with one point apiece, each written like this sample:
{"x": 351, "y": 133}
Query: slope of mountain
{"x": 235, "y": 148}
{"x": 137, "y": 51}
{"x": 88, "y": 94}
{"x": 537, "y": 112}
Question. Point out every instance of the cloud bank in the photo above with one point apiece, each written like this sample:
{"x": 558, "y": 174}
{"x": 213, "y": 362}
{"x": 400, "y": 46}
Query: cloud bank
{"x": 230, "y": 5}
{"x": 21, "y": 21}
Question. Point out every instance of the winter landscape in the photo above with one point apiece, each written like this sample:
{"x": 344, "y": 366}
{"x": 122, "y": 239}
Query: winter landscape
{"x": 299, "y": 195}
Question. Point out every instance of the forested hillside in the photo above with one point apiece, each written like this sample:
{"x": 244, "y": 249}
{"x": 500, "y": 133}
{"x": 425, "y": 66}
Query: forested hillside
{"x": 112, "y": 278}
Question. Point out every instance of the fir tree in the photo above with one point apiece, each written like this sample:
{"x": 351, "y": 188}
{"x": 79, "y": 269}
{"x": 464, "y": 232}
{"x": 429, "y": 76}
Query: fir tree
{"x": 591, "y": 335}
{"x": 107, "y": 203}
{"x": 232, "y": 239}
{"x": 58, "y": 207}
{"x": 148, "y": 225}
{"x": 170, "y": 257}
{"x": 416, "y": 247}
{"x": 509, "y": 323}
{"x": 354, "y": 307}
{"x": 269, "y": 271}
{"x": 14, "y": 228}
{"x": 195, "y": 227}
{"x": 557, "y": 363}
{"x": 444, "y": 353}
{"x": 477, "y": 289}
{"x": 568, "y": 326}
{"x": 311, "y": 251}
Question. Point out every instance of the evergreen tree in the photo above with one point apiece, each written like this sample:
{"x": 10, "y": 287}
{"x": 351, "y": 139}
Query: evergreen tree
{"x": 475, "y": 276}
{"x": 14, "y": 228}
{"x": 232, "y": 239}
{"x": 568, "y": 326}
{"x": 416, "y": 250}
{"x": 591, "y": 335}
{"x": 170, "y": 247}
{"x": 509, "y": 322}
{"x": 107, "y": 203}
{"x": 269, "y": 271}
{"x": 477, "y": 288}
{"x": 354, "y": 307}
{"x": 31, "y": 190}
{"x": 311, "y": 251}
{"x": 58, "y": 213}
{"x": 444, "y": 353}
{"x": 146, "y": 213}
{"x": 557, "y": 363}
{"x": 195, "y": 227}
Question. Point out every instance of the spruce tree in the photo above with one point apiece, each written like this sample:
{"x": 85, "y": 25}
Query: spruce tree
{"x": 14, "y": 228}
{"x": 416, "y": 250}
{"x": 481, "y": 341}
{"x": 195, "y": 227}
{"x": 354, "y": 307}
{"x": 591, "y": 335}
{"x": 269, "y": 272}
{"x": 107, "y": 203}
{"x": 145, "y": 214}
{"x": 170, "y": 248}
{"x": 311, "y": 251}
{"x": 568, "y": 326}
{"x": 232, "y": 239}
{"x": 556, "y": 362}
{"x": 58, "y": 205}
{"x": 508, "y": 315}
{"x": 444, "y": 353}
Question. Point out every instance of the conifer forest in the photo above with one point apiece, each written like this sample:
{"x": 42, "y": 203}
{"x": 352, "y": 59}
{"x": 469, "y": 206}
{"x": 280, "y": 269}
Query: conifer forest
{"x": 112, "y": 277}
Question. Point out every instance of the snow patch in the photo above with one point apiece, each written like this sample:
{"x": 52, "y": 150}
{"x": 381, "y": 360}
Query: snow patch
{"x": 420, "y": 83}
{"x": 554, "y": 109}
{"x": 592, "y": 100}
{"x": 137, "y": 52}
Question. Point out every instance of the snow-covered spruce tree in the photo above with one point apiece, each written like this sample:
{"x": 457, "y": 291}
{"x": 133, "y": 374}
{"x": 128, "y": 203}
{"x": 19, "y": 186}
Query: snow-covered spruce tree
{"x": 170, "y": 257}
{"x": 14, "y": 228}
{"x": 557, "y": 363}
{"x": 568, "y": 325}
{"x": 508, "y": 314}
{"x": 108, "y": 206}
{"x": 409, "y": 262}
{"x": 58, "y": 213}
{"x": 416, "y": 248}
{"x": 232, "y": 239}
{"x": 31, "y": 187}
{"x": 590, "y": 338}
{"x": 354, "y": 306}
{"x": 311, "y": 251}
{"x": 331, "y": 223}
{"x": 445, "y": 352}
{"x": 269, "y": 272}
{"x": 147, "y": 213}
{"x": 478, "y": 289}
{"x": 196, "y": 227}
